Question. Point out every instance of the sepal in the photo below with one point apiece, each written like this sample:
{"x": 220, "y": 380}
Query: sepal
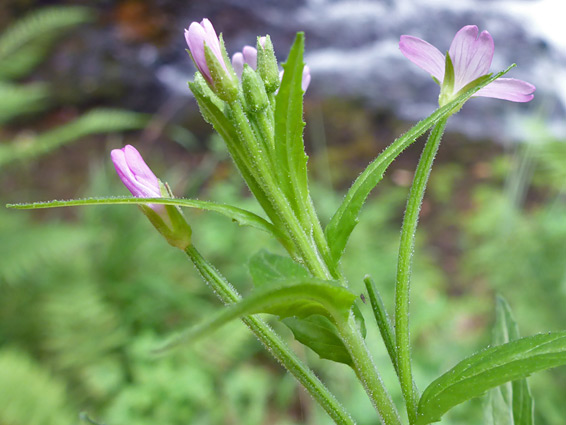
{"x": 170, "y": 223}
{"x": 224, "y": 83}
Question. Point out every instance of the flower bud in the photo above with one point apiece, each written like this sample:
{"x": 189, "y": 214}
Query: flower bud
{"x": 208, "y": 53}
{"x": 142, "y": 183}
{"x": 254, "y": 90}
{"x": 267, "y": 64}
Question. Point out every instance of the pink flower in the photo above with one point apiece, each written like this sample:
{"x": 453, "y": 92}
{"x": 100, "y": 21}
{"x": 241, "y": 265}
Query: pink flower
{"x": 135, "y": 174}
{"x": 471, "y": 57}
{"x": 197, "y": 36}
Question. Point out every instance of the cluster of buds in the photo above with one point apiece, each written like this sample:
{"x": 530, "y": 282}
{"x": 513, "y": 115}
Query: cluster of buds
{"x": 211, "y": 59}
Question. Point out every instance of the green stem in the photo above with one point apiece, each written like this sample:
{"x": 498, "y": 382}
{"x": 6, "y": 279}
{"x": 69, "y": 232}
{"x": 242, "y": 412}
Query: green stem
{"x": 272, "y": 341}
{"x": 367, "y": 372}
{"x": 382, "y": 319}
{"x": 406, "y": 249}
{"x": 265, "y": 177}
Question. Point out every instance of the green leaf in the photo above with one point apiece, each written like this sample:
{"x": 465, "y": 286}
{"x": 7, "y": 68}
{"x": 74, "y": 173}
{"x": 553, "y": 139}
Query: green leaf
{"x": 512, "y": 402}
{"x": 490, "y": 368}
{"x": 346, "y": 217}
{"x": 319, "y": 334}
{"x": 300, "y": 298}
{"x": 290, "y": 155}
{"x": 316, "y": 332}
{"x": 267, "y": 268}
{"x": 241, "y": 216}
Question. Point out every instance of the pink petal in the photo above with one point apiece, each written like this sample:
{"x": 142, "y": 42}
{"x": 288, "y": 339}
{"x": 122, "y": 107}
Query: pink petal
{"x": 306, "y": 78}
{"x": 471, "y": 55}
{"x": 195, "y": 40}
{"x": 238, "y": 63}
{"x": 250, "y": 56}
{"x": 424, "y": 55}
{"x": 212, "y": 41}
{"x": 508, "y": 89}
{"x": 134, "y": 173}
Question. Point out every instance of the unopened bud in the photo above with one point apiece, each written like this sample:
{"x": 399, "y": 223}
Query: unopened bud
{"x": 267, "y": 64}
{"x": 254, "y": 90}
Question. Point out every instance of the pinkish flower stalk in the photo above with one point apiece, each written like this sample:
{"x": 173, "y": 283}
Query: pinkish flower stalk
{"x": 197, "y": 36}
{"x": 136, "y": 175}
{"x": 471, "y": 57}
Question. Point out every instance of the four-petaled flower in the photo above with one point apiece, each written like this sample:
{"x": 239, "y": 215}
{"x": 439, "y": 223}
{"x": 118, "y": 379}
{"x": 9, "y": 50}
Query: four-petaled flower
{"x": 136, "y": 175}
{"x": 471, "y": 58}
{"x": 197, "y": 36}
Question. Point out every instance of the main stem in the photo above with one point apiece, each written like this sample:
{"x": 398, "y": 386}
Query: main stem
{"x": 367, "y": 372}
{"x": 406, "y": 249}
{"x": 228, "y": 294}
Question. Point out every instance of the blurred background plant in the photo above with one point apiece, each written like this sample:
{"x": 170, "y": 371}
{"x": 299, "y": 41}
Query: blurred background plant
{"x": 85, "y": 294}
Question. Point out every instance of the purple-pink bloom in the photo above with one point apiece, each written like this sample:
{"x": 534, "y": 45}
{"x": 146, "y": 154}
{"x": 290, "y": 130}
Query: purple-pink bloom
{"x": 197, "y": 36}
{"x": 135, "y": 174}
{"x": 247, "y": 55}
{"x": 471, "y": 57}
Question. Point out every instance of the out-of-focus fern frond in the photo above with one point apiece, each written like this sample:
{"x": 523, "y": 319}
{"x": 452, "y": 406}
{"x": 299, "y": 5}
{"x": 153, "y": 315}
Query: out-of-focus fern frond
{"x": 93, "y": 122}
{"x": 30, "y": 395}
{"x": 25, "y": 43}
{"x": 24, "y": 253}
{"x": 70, "y": 309}
{"x": 17, "y": 100}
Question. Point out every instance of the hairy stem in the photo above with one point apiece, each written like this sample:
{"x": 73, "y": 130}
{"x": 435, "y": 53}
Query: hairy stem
{"x": 406, "y": 249}
{"x": 228, "y": 294}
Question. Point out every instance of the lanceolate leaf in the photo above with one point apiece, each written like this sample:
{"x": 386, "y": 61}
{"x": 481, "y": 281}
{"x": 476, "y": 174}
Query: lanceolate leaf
{"x": 346, "y": 217}
{"x": 489, "y": 369}
{"x": 289, "y": 146}
{"x": 243, "y": 217}
{"x": 316, "y": 332}
{"x": 301, "y": 298}
{"x": 512, "y": 402}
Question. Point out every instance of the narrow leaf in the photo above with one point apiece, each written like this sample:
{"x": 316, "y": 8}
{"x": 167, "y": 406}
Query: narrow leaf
{"x": 382, "y": 319}
{"x": 241, "y": 216}
{"x": 513, "y": 398}
{"x": 490, "y": 368}
{"x": 300, "y": 299}
{"x": 290, "y": 153}
{"x": 267, "y": 268}
{"x": 346, "y": 217}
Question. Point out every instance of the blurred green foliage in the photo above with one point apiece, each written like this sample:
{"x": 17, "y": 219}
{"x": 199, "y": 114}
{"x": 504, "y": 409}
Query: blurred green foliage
{"x": 86, "y": 301}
